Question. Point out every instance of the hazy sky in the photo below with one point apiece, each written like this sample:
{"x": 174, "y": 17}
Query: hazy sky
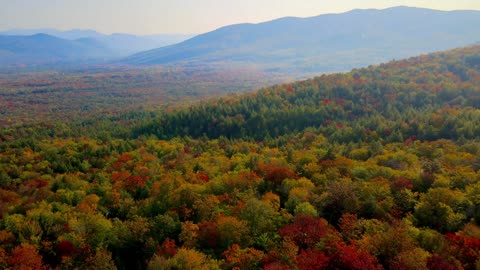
{"x": 182, "y": 16}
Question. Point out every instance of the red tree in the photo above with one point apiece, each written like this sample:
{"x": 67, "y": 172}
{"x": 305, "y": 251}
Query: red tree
{"x": 306, "y": 231}
{"x": 276, "y": 174}
{"x": 168, "y": 248}
{"x": 465, "y": 249}
{"x": 133, "y": 182}
{"x": 26, "y": 257}
{"x": 402, "y": 183}
{"x": 208, "y": 234}
{"x": 437, "y": 262}
{"x": 65, "y": 248}
{"x": 349, "y": 257}
{"x": 311, "y": 259}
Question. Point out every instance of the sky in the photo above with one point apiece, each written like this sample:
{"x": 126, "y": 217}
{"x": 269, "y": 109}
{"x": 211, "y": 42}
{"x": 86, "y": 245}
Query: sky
{"x": 182, "y": 16}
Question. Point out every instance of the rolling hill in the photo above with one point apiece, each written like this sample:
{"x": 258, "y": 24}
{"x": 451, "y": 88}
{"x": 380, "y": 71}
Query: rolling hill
{"x": 435, "y": 96}
{"x": 332, "y": 42}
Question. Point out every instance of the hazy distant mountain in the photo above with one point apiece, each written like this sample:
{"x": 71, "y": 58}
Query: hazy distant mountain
{"x": 126, "y": 44}
{"x": 69, "y": 34}
{"x": 119, "y": 44}
{"x": 43, "y": 49}
{"x": 326, "y": 42}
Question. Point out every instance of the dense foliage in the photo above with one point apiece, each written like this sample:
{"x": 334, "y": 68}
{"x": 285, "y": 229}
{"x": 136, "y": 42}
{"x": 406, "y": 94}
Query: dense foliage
{"x": 430, "y": 97}
{"x": 373, "y": 169}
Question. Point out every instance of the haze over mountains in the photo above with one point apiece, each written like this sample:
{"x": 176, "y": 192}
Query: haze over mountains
{"x": 43, "y": 46}
{"x": 332, "y": 42}
{"x": 42, "y": 49}
{"x": 325, "y": 43}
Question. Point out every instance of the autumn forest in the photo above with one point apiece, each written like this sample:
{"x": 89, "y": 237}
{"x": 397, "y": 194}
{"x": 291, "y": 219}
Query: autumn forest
{"x": 376, "y": 168}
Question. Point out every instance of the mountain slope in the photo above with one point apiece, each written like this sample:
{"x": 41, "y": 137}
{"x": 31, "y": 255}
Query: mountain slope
{"x": 126, "y": 44}
{"x": 326, "y": 42}
{"x": 429, "y": 97}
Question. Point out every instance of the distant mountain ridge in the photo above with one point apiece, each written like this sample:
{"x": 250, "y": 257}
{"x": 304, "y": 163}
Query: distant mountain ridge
{"x": 43, "y": 48}
{"x": 330, "y": 42}
{"x": 50, "y": 46}
{"x": 120, "y": 43}
{"x": 68, "y": 34}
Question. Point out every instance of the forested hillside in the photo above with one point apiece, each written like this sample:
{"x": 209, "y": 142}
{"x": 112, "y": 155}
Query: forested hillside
{"x": 428, "y": 97}
{"x": 377, "y": 168}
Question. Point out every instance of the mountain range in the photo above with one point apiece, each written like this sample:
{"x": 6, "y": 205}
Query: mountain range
{"x": 325, "y": 43}
{"x": 331, "y": 42}
{"x": 42, "y": 49}
{"x": 42, "y": 46}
